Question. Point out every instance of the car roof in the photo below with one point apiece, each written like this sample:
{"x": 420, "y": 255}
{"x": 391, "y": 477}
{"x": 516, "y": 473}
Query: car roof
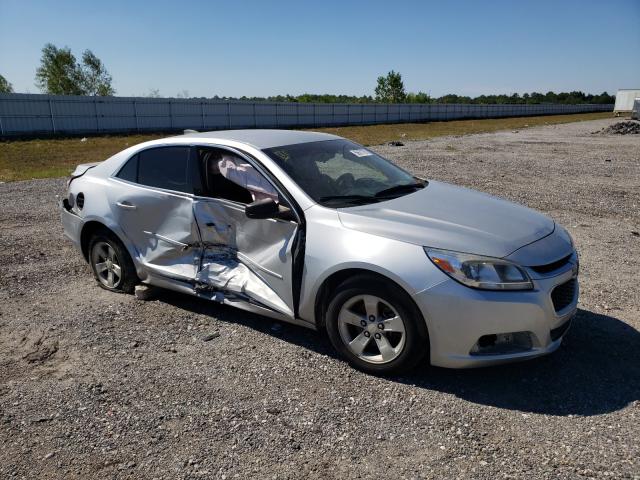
{"x": 264, "y": 138}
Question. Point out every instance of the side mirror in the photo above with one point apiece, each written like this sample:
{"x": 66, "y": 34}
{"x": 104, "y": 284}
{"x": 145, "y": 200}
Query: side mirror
{"x": 260, "y": 209}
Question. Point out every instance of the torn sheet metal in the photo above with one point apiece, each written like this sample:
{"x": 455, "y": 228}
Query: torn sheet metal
{"x": 171, "y": 246}
{"x": 170, "y": 257}
{"x": 244, "y": 255}
{"x": 222, "y": 270}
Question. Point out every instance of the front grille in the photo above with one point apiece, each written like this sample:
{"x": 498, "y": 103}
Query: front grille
{"x": 563, "y": 295}
{"x": 557, "y": 332}
{"x": 550, "y": 267}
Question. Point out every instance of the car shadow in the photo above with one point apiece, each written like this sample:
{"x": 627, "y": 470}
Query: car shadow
{"x": 595, "y": 371}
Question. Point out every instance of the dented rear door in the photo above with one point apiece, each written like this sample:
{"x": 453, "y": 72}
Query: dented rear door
{"x": 160, "y": 226}
{"x": 249, "y": 257}
{"x": 151, "y": 200}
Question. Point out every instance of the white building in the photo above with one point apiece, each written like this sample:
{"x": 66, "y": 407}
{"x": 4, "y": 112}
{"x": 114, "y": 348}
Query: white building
{"x": 624, "y": 100}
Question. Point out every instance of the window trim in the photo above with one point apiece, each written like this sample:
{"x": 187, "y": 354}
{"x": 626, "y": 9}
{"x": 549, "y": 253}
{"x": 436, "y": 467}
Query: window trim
{"x": 189, "y": 184}
{"x": 255, "y": 162}
{"x": 124, "y": 166}
{"x": 114, "y": 175}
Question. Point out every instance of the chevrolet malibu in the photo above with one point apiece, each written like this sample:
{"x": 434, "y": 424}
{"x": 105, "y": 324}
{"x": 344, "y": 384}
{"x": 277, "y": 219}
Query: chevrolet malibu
{"x": 313, "y": 229}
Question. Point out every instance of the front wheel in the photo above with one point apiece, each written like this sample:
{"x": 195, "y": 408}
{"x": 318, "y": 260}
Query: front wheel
{"x": 376, "y": 326}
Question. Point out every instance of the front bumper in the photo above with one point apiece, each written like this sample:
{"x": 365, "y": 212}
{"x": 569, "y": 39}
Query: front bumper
{"x": 458, "y": 317}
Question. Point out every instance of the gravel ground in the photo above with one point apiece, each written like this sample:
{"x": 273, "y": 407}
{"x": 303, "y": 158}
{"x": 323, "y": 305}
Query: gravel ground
{"x": 100, "y": 385}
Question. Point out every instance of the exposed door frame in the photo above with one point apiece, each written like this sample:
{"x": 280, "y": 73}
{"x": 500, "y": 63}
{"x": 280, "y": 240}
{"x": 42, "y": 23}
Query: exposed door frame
{"x": 298, "y": 243}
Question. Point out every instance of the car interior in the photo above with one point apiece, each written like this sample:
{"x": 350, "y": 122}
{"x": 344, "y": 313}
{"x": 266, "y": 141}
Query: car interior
{"x": 216, "y": 185}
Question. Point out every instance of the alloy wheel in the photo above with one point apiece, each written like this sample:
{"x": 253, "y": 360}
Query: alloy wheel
{"x": 371, "y": 329}
{"x": 106, "y": 265}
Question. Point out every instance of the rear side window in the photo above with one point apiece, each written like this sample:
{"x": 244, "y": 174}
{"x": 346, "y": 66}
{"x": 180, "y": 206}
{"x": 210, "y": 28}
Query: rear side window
{"x": 166, "y": 167}
{"x": 130, "y": 170}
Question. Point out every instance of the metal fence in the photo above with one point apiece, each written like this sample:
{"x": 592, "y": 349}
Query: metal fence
{"x": 33, "y": 114}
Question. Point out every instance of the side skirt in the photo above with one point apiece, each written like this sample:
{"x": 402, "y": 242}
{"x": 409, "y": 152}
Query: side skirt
{"x": 220, "y": 297}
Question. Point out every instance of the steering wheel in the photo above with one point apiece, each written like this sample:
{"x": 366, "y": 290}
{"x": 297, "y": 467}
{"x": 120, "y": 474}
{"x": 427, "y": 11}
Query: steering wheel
{"x": 345, "y": 182}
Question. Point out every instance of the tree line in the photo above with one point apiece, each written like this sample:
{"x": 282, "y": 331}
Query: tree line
{"x": 60, "y": 73}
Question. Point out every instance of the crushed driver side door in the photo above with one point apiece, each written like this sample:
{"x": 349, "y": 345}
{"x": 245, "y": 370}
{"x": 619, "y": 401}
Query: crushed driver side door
{"x": 244, "y": 256}
{"x": 250, "y": 259}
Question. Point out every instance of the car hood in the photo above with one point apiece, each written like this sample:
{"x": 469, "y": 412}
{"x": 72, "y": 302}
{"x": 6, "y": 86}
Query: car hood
{"x": 453, "y": 218}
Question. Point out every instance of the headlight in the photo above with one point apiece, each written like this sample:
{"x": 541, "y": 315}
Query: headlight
{"x": 475, "y": 271}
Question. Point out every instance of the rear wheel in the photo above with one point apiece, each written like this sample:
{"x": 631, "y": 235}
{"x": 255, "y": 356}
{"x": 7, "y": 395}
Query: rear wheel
{"x": 376, "y": 326}
{"x": 111, "y": 264}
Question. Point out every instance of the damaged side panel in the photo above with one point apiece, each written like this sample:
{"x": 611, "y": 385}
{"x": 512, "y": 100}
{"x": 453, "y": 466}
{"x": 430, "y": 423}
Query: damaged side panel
{"x": 243, "y": 256}
{"x": 160, "y": 226}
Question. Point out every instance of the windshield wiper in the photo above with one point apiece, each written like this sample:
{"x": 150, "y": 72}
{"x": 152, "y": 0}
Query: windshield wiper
{"x": 348, "y": 198}
{"x": 399, "y": 189}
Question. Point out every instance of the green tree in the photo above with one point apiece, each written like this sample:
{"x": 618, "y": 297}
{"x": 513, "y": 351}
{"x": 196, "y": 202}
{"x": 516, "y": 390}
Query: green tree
{"x": 60, "y": 74}
{"x": 95, "y": 78}
{"x": 419, "y": 97}
{"x": 390, "y": 89}
{"x": 5, "y": 86}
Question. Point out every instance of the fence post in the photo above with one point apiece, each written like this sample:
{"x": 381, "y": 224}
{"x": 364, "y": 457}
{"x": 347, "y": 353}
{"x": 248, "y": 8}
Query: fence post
{"x": 202, "y": 112}
{"x": 228, "y": 115}
{"x": 95, "y": 112}
{"x": 170, "y": 116}
{"x": 135, "y": 114}
{"x": 53, "y": 123}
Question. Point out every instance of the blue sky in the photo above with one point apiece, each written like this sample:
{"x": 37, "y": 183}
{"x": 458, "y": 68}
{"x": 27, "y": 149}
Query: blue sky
{"x": 235, "y": 48}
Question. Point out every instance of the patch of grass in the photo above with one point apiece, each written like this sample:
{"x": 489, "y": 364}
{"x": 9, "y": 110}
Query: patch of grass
{"x": 27, "y": 159}
{"x": 378, "y": 134}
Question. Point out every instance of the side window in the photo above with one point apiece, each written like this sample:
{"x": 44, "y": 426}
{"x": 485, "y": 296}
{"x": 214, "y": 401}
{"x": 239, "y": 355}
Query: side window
{"x": 130, "y": 170}
{"x": 231, "y": 177}
{"x": 165, "y": 167}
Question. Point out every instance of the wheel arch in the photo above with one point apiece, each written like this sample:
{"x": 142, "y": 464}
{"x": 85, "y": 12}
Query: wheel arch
{"x": 332, "y": 281}
{"x": 90, "y": 228}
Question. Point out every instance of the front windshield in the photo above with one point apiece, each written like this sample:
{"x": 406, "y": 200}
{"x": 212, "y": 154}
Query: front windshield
{"x": 342, "y": 173}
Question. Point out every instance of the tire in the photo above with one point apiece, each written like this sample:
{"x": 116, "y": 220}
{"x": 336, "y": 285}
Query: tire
{"x": 111, "y": 264}
{"x": 394, "y": 347}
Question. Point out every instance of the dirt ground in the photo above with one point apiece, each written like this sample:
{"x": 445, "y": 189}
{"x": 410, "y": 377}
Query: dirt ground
{"x": 101, "y": 385}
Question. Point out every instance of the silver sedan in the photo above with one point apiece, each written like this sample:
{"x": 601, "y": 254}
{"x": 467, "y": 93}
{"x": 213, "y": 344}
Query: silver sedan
{"x": 316, "y": 230}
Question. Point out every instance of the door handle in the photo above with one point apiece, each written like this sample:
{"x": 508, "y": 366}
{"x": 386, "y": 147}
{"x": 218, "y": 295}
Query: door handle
{"x": 126, "y": 205}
